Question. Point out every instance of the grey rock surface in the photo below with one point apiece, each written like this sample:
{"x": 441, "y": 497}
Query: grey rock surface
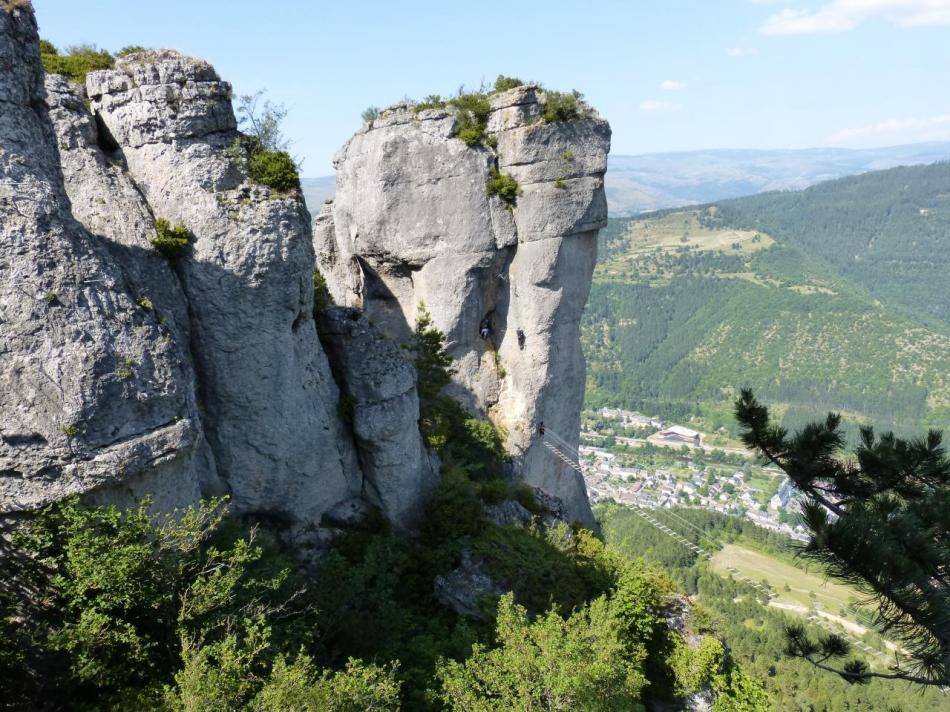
{"x": 467, "y": 587}
{"x": 268, "y": 399}
{"x": 382, "y": 404}
{"x": 93, "y": 393}
{"x": 412, "y": 223}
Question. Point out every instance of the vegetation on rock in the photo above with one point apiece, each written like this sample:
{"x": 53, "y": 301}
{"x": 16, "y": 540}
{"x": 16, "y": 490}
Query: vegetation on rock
{"x": 504, "y": 185}
{"x": 503, "y": 83}
{"x": 170, "y": 241}
{"x": 472, "y": 117}
{"x": 560, "y": 106}
{"x": 264, "y": 149}
{"x": 76, "y": 62}
{"x": 321, "y": 293}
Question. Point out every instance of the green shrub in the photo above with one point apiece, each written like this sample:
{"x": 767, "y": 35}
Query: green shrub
{"x": 321, "y": 293}
{"x": 76, "y": 63}
{"x": 370, "y": 114}
{"x": 170, "y": 241}
{"x": 560, "y": 184}
{"x": 503, "y": 83}
{"x": 568, "y": 155}
{"x": 275, "y": 169}
{"x": 559, "y": 106}
{"x": 550, "y": 663}
{"x": 130, "y": 49}
{"x": 433, "y": 101}
{"x": 504, "y": 185}
{"x": 358, "y": 688}
{"x": 523, "y": 493}
{"x": 455, "y": 509}
{"x": 472, "y": 117}
{"x": 494, "y": 491}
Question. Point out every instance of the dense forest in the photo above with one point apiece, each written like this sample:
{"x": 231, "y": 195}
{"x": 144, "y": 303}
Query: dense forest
{"x": 835, "y": 297}
{"x": 752, "y": 630}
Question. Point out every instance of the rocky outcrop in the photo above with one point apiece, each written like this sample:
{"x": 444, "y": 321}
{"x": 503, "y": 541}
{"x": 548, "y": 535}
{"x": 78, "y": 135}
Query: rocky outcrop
{"x": 95, "y": 392}
{"x": 468, "y": 589}
{"x": 381, "y": 403}
{"x": 412, "y": 223}
{"x": 125, "y": 373}
{"x": 269, "y": 403}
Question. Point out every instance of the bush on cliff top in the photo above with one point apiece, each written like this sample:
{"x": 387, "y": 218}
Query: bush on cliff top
{"x": 275, "y": 169}
{"x": 559, "y": 106}
{"x": 76, "y": 63}
{"x": 503, "y": 83}
{"x": 264, "y": 148}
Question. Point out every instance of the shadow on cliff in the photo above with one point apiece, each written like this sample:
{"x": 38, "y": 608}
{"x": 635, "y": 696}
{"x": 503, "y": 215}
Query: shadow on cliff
{"x": 170, "y": 304}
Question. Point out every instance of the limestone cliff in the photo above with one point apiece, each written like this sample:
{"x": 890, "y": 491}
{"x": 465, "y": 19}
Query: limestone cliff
{"x": 124, "y": 372}
{"x": 95, "y": 392}
{"x": 412, "y": 223}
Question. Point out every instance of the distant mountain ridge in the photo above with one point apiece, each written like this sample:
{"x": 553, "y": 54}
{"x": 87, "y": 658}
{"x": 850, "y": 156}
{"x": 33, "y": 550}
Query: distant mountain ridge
{"x": 654, "y": 181}
{"x": 637, "y": 184}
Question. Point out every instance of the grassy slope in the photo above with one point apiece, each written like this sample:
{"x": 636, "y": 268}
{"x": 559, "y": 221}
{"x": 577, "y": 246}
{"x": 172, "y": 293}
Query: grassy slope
{"x": 690, "y": 305}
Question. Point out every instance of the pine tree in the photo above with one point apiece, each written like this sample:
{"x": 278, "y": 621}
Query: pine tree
{"x": 878, "y": 520}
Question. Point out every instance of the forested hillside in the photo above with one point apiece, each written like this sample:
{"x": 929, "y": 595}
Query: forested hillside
{"x": 888, "y": 231}
{"x": 752, "y": 629}
{"x": 836, "y": 297}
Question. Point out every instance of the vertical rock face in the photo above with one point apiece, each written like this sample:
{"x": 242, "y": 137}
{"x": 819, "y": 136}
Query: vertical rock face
{"x": 95, "y": 393}
{"x": 268, "y": 399}
{"x": 381, "y": 402}
{"x": 412, "y": 223}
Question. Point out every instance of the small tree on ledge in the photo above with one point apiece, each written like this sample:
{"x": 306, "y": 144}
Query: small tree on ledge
{"x": 880, "y": 521}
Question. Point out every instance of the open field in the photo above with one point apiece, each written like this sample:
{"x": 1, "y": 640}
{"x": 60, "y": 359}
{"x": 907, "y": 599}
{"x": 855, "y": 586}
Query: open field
{"x": 806, "y": 594}
{"x": 779, "y": 574}
{"x": 683, "y": 229}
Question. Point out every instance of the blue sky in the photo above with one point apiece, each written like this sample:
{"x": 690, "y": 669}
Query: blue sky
{"x": 669, "y": 76}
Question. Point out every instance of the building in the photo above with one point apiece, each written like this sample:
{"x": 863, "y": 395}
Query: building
{"x": 679, "y": 434}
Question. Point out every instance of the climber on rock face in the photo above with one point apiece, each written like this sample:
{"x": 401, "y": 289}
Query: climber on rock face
{"x": 521, "y": 339}
{"x": 541, "y": 429}
{"x": 484, "y": 329}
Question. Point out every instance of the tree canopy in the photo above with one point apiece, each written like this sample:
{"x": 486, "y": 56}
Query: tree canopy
{"x": 878, "y": 519}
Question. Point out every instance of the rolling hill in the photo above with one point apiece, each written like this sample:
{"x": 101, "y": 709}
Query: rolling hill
{"x": 835, "y": 297}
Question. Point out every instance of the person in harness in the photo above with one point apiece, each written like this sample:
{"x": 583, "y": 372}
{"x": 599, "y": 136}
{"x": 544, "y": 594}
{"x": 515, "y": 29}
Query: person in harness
{"x": 484, "y": 329}
{"x": 521, "y": 339}
{"x": 541, "y": 429}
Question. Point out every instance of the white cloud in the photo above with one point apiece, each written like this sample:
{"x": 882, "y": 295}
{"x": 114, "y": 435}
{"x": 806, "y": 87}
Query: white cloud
{"x": 742, "y": 51}
{"x": 895, "y": 131}
{"x": 659, "y": 105}
{"x": 845, "y": 15}
{"x": 671, "y": 85}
